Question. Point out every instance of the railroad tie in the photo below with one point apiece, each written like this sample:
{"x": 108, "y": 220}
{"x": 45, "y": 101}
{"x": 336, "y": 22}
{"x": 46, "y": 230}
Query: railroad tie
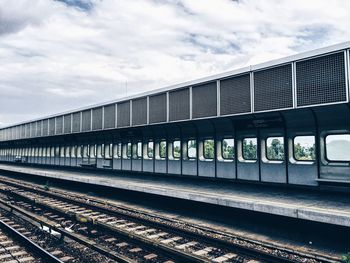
{"x": 170, "y": 240}
{"x": 150, "y": 256}
{"x": 204, "y": 251}
{"x": 224, "y": 257}
{"x": 161, "y": 234}
{"x": 186, "y": 245}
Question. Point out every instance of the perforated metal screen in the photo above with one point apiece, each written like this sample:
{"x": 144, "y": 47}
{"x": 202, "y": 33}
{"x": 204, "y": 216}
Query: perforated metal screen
{"x": 97, "y": 119}
{"x": 109, "y": 116}
{"x": 179, "y": 105}
{"x": 235, "y": 95}
{"x": 157, "y": 108}
{"x": 33, "y": 129}
{"x": 204, "y": 100}
{"x": 86, "y": 120}
{"x": 273, "y": 88}
{"x": 321, "y": 80}
{"x": 52, "y": 126}
{"x": 123, "y": 112}
{"x": 76, "y": 122}
{"x": 27, "y": 127}
{"x": 59, "y": 125}
{"x": 67, "y": 123}
{"x": 45, "y": 127}
{"x": 38, "y": 129}
{"x": 139, "y": 111}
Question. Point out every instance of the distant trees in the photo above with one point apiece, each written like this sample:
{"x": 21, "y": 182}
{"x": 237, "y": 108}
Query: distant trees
{"x": 249, "y": 149}
{"x": 304, "y": 153}
{"x": 275, "y": 150}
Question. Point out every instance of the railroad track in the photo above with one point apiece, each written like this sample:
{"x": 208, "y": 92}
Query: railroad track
{"x": 112, "y": 225}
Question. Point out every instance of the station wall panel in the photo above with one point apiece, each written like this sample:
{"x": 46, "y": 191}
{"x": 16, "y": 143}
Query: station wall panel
{"x": 235, "y": 95}
{"x": 67, "y": 123}
{"x": 59, "y": 125}
{"x": 179, "y": 105}
{"x": 321, "y": 80}
{"x": 27, "y": 127}
{"x": 157, "y": 108}
{"x": 32, "y": 129}
{"x": 86, "y": 120}
{"x": 273, "y": 88}
{"x": 97, "y": 118}
{"x": 204, "y": 100}
{"x": 45, "y": 127}
{"x": 38, "y": 129}
{"x": 76, "y": 122}
{"x": 109, "y": 116}
{"x": 123, "y": 114}
{"x": 52, "y": 126}
{"x": 139, "y": 111}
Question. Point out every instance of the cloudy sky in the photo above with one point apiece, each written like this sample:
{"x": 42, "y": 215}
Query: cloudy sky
{"x": 58, "y": 55}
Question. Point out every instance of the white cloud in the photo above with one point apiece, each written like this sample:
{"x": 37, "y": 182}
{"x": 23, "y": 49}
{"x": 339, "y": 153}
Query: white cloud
{"x": 60, "y": 55}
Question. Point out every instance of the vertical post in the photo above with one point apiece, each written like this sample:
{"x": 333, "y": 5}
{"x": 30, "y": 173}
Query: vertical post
{"x": 218, "y": 106}
{"x": 191, "y": 106}
{"x": 294, "y": 85}
{"x": 167, "y": 107}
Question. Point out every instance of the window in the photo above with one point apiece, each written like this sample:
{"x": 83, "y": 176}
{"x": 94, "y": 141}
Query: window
{"x": 139, "y": 150}
{"x": 250, "y": 146}
{"x": 176, "y": 149}
{"x": 117, "y": 152}
{"x": 92, "y": 150}
{"x": 150, "y": 147}
{"x": 208, "y": 150}
{"x": 128, "y": 150}
{"x": 73, "y": 152}
{"x": 275, "y": 148}
{"x": 108, "y": 151}
{"x": 337, "y": 147}
{"x": 57, "y": 151}
{"x": 67, "y": 154}
{"x": 162, "y": 149}
{"x": 228, "y": 148}
{"x": 191, "y": 149}
{"x": 304, "y": 148}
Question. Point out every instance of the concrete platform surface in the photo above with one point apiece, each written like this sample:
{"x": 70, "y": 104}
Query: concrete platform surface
{"x": 332, "y": 208}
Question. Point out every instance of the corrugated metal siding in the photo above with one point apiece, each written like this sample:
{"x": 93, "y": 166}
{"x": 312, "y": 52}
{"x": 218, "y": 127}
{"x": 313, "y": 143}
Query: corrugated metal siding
{"x": 179, "y": 105}
{"x": 86, "y": 120}
{"x": 273, "y": 88}
{"x": 59, "y": 125}
{"x": 109, "y": 116}
{"x": 27, "y": 127}
{"x": 33, "y": 129}
{"x": 157, "y": 108}
{"x": 204, "y": 100}
{"x": 67, "y": 123}
{"x": 321, "y": 80}
{"x": 97, "y": 118}
{"x": 45, "y": 127}
{"x": 52, "y": 126}
{"x": 123, "y": 117}
{"x": 38, "y": 130}
{"x": 139, "y": 111}
{"x": 235, "y": 95}
{"x": 76, "y": 122}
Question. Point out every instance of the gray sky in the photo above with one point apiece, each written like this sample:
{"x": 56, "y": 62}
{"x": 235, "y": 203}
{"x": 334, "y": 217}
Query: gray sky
{"x": 60, "y": 55}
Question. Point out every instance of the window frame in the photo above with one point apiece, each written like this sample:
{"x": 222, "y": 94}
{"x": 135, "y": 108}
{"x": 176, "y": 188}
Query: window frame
{"x": 293, "y": 144}
{"x": 173, "y": 150}
{"x": 160, "y": 149}
{"x": 256, "y": 156}
{"x": 325, "y": 148}
{"x": 234, "y": 148}
{"x": 148, "y": 155}
{"x": 139, "y": 149}
{"x": 266, "y": 152}
{"x": 204, "y": 155}
{"x": 187, "y": 149}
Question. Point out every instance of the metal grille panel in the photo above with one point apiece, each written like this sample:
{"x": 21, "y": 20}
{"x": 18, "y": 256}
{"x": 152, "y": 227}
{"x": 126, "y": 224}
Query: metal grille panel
{"x": 179, "y": 105}
{"x": 52, "y": 126}
{"x": 38, "y": 128}
{"x": 45, "y": 127}
{"x": 27, "y": 127}
{"x": 86, "y": 120}
{"x": 321, "y": 80}
{"x": 76, "y": 122}
{"x": 59, "y": 125}
{"x": 157, "y": 108}
{"x": 235, "y": 95}
{"x": 123, "y": 118}
{"x": 273, "y": 88}
{"x": 109, "y": 116}
{"x": 67, "y": 123}
{"x": 139, "y": 111}
{"x": 32, "y": 129}
{"x": 204, "y": 100}
{"x": 97, "y": 119}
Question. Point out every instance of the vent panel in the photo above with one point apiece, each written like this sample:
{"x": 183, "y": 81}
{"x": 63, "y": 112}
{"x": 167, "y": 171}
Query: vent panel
{"x": 86, "y": 120}
{"x": 179, "y": 105}
{"x": 157, "y": 108}
{"x": 27, "y": 128}
{"x": 123, "y": 118}
{"x": 204, "y": 100}
{"x": 76, "y": 122}
{"x": 32, "y": 129}
{"x": 273, "y": 88}
{"x": 67, "y": 123}
{"x": 52, "y": 126}
{"x": 45, "y": 127}
{"x": 97, "y": 119}
{"x": 109, "y": 116}
{"x": 39, "y": 127}
{"x": 235, "y": 95}
{"x": 321, "y": 80}
{"x": 59, "y": 125}
{"x": 139, "y": 111}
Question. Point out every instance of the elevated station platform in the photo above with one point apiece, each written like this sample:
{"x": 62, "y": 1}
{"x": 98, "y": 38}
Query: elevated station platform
{"x": 323, "y": 207}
